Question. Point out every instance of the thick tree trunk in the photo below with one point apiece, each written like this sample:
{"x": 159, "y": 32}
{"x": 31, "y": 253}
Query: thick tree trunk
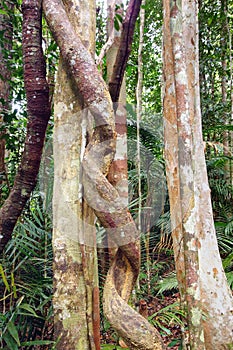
{"x": 37, "y": 93}
{"x": 200, "y": 273}
{"x": 76, "y": 294}
{"x": 98, "y": 192}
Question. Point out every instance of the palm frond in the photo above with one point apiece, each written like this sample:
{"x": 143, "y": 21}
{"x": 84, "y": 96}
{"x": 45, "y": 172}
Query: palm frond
{"x": 167, "y": 283}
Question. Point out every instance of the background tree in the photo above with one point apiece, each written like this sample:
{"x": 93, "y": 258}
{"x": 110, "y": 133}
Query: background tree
{"x": 5, "y": 74}
{"x": 38, "y": 115}
{"x": 198, "y": 264}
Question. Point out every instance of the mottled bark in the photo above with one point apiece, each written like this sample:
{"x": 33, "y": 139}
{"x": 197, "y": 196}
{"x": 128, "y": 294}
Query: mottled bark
{"x": 200, "y": 274}
{"x": 37, "y": 93}
{"x": 76, "y": 293}
{"x": 99, "y": 193}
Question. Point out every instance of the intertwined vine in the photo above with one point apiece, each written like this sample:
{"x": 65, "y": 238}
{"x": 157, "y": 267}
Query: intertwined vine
{"x": 98, "y": 191}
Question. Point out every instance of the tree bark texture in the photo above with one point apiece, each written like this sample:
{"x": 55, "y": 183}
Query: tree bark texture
{"x": 5, "y": 74}
{"x": 118, "y": 172}
{"x": 200, "y": 273}
{"x": 37, "y": 93}
{"x": 76, "y": 293}
{"x": 98, "y": 192}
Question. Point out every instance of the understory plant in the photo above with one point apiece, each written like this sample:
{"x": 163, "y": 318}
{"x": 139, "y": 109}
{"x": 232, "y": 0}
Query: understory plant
{"x": 26, "y": 283}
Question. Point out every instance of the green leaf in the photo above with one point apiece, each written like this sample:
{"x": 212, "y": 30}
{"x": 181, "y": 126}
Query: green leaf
{"x": 116, "y": 25}
{"x": 228, "y": 260}
{"x": 29, "y": 309}
{"x": 166, "y": 330}
{"x": 119, "y": 17}
{"x": 173, "y": 343}
{"x": 10, "y": 341}
{"x": 13, "y": 332}
{"x": 3, "y": 12}
{"x": 2, "y": 273}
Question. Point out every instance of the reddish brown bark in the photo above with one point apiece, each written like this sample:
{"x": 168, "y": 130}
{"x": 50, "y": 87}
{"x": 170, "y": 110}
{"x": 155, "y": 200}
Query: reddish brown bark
{"x": 124, "y": 48}
{"x": 118, "y": 172}
{"x": 37, "y": 92}
{"x": 99, "y": 193}
{"x": 6, "y": 45}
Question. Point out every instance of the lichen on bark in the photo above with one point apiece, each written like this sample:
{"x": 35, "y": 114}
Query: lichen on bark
{"x": 96, "y": 162}
{"x": 199, "y": 269}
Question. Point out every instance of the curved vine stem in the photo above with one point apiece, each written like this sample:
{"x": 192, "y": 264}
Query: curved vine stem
{"x": 98, "y": 191}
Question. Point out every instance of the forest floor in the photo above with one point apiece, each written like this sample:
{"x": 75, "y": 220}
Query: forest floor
{"x": 171, "y": 334}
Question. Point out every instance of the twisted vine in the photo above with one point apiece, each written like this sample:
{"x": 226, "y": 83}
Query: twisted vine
{"x": 98, "y": 191}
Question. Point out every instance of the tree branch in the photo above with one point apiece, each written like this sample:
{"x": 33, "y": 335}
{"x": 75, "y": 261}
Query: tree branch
{"x": 111, "y": 35}
{"x": 37, "y": 92}
{"x": 124, "y": 48}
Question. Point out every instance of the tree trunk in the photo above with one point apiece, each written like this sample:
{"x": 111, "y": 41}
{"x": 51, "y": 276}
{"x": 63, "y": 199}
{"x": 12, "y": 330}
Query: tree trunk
{"x": 37, "y": 93}
{"x": 118, "y": 172}
{"x": 76, "y": 294}
{"x": 139, "y": 110}
{"x": 98, "y": 192}
{"x": 5, "y": 74}
{"x": 199, "y": 268}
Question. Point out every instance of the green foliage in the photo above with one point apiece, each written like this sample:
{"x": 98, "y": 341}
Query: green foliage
{"x": 175, "y": 342}
{"x": 11, "y": 324}
{"x": 167, "y": 283}
{"x": 26, "y": 271}
{"x": 101, "y": 36}
{"x": 26, "y": 266}
{"x": 215, "y": 27}
{"x": 152, "y": 60}
{"x": 222, "y": 199}
{"x": 167, "y": 316}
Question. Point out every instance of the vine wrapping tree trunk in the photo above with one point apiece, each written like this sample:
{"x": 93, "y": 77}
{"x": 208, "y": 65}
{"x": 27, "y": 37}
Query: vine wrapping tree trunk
{"x": 76, "y": 295}
{"x": 202, "y": 281}
{"x": 99, "y": 193}
{"x": 118, "y": 172}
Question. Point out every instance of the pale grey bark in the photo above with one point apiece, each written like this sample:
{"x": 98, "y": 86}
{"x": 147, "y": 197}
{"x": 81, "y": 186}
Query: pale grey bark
{"x": 75, "y": 270}
{"x": 199, "y": 268}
